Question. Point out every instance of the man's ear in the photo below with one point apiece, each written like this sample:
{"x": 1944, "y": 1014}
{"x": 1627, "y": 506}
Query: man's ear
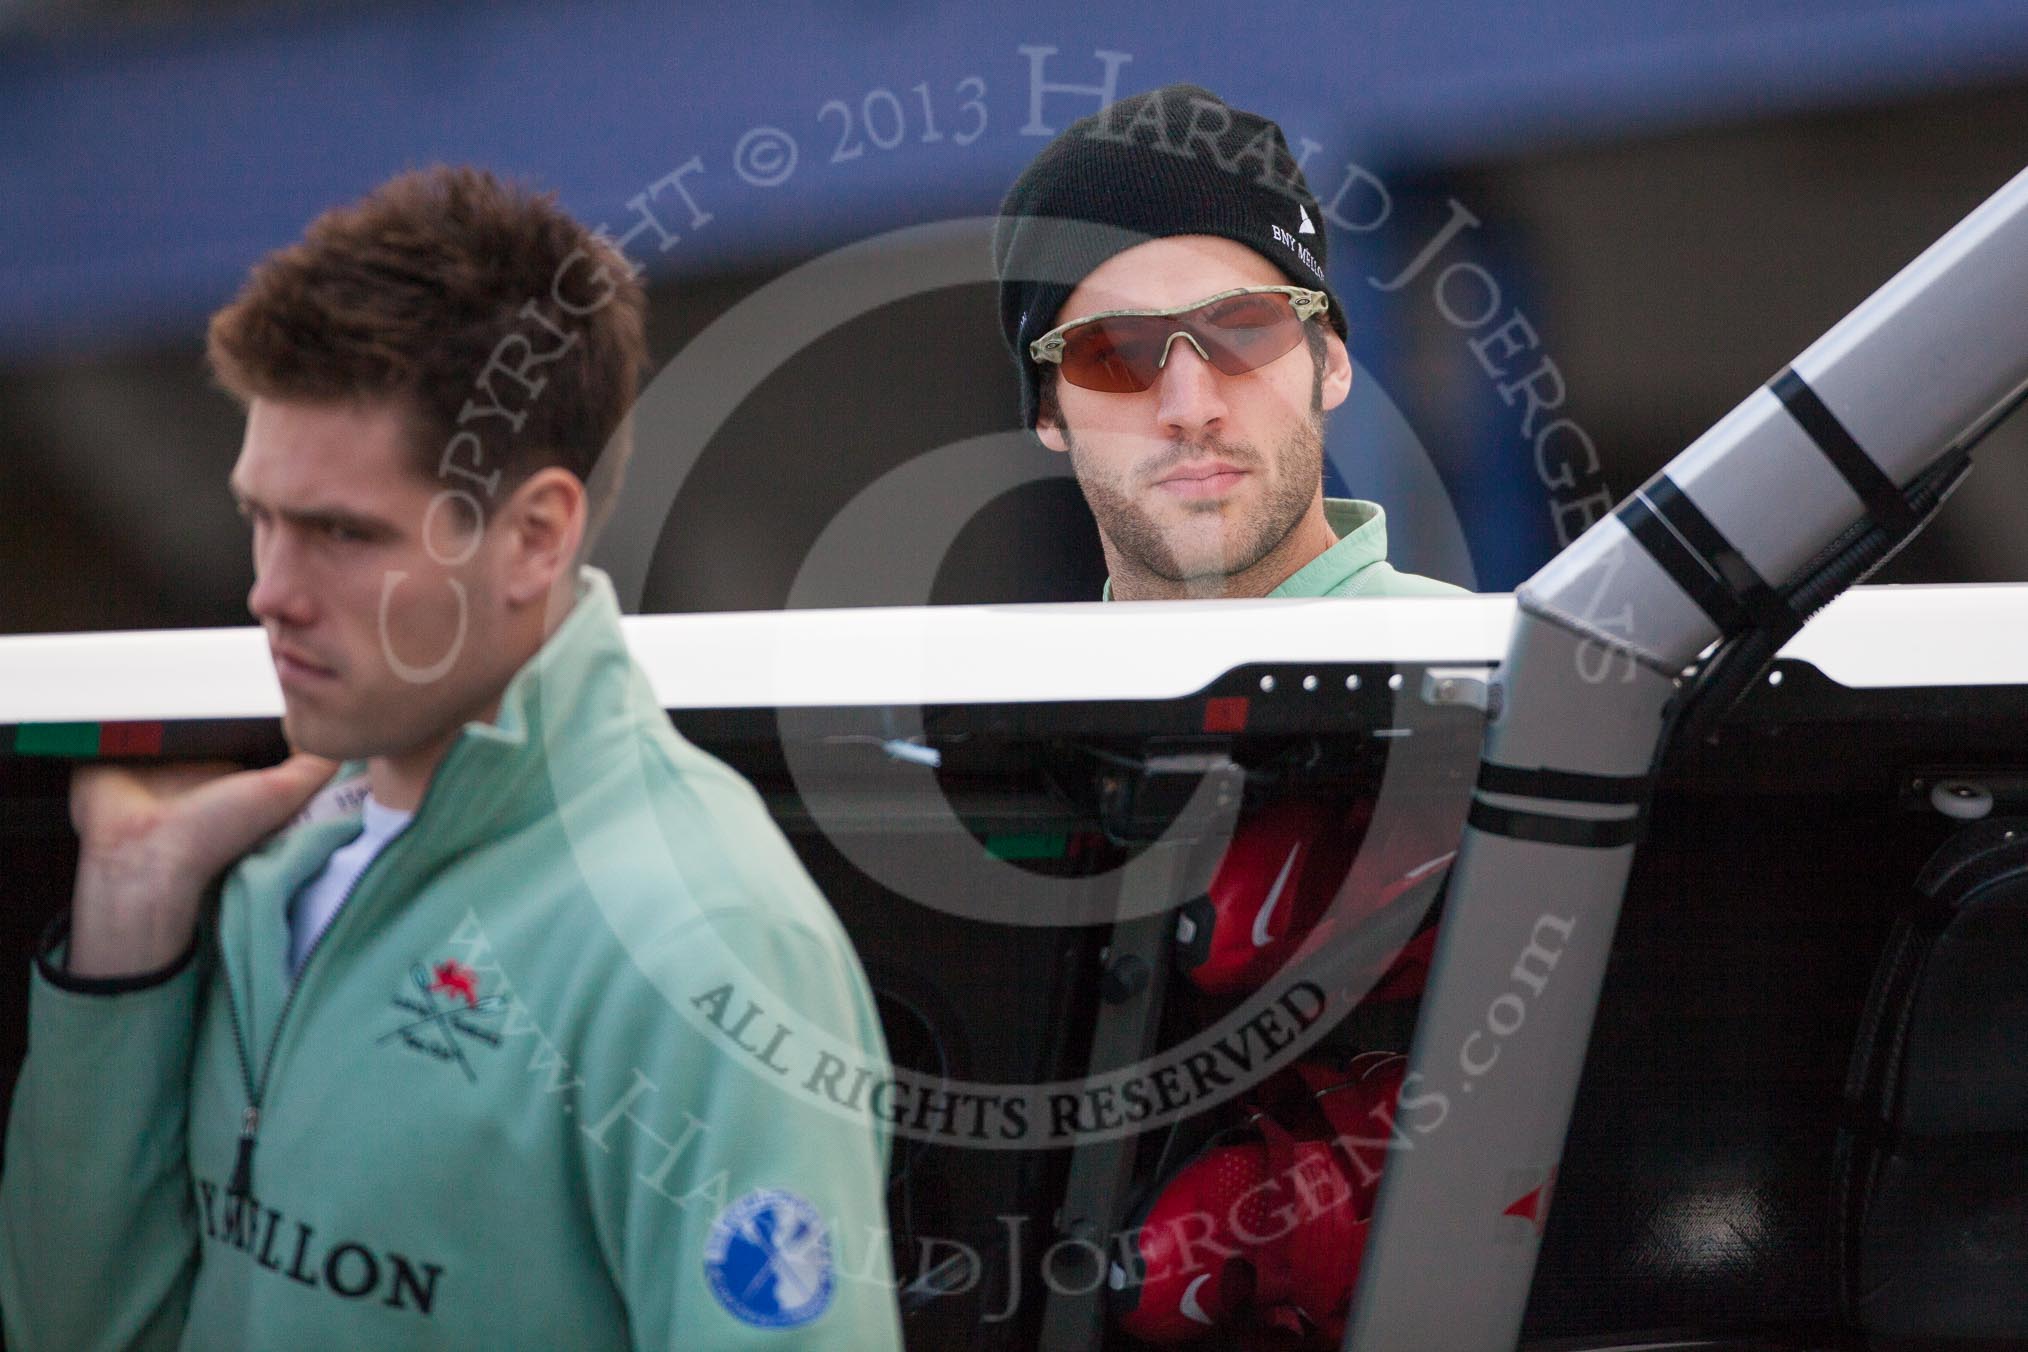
{"x": 544, "y": 524}
{"x": 1336, "y": 381}
{"x": 1050, "y": 433}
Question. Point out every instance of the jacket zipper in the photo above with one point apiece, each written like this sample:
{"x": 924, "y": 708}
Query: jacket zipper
{"x": 241, "y": 1185}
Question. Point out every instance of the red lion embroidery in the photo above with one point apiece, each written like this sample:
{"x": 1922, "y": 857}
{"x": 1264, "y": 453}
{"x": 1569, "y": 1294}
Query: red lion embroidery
{"x": 454, "y": 978}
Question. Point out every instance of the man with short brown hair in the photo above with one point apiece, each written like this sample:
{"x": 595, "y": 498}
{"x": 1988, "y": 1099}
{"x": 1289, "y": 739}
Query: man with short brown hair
{"x": 468, "y": 1053}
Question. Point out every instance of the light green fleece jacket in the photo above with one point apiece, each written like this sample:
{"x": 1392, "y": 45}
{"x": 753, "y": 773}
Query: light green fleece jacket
{"x": 539, "y": 1085}
{"x": 1357, "y": 565}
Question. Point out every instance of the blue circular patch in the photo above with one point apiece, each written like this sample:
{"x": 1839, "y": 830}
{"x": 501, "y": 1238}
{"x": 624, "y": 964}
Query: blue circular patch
{"x": 769, "y": 1259}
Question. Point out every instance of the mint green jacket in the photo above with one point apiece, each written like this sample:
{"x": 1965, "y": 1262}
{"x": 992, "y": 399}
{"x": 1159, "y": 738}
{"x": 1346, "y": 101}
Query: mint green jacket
{"x": 1357, "y": 565}
{"x": 541, "y": 1084}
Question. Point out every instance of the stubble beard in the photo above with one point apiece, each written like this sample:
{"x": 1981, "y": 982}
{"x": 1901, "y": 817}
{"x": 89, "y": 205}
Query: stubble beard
{"x": 1248, "y": 530}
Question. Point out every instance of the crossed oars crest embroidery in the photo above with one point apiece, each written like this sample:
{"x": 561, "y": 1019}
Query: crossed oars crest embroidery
{"x": 450, "y": 1021}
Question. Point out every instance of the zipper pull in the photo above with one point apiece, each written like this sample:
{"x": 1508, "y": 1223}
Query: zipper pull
{"x": 242, "y": 1168}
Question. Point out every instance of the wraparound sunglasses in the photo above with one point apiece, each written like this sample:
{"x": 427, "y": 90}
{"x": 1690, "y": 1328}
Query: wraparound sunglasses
{"x": 1123, "y": 351}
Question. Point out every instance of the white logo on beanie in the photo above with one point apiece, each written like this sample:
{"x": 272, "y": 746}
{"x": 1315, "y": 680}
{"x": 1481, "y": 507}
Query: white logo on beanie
{"x": 1297, "y": 247}
{"x": 1306, "y": 228}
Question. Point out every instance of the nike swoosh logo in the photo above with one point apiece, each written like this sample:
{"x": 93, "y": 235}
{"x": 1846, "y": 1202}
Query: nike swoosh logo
{"x": 1191, "y": 1309}
{"x": 1274, "y": 894}
{"x": 1261, "y": 937}
{"x": 1429, "y": 865}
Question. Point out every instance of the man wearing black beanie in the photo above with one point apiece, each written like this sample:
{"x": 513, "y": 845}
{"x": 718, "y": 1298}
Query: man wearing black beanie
{"x": 1161, "y": 264}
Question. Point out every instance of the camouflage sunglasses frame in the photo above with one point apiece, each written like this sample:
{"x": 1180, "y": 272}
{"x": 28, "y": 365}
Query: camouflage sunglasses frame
{"x": 1307, "y": 304}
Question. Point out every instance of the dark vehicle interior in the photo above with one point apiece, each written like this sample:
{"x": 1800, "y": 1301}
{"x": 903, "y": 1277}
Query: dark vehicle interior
{"x": 1803, "y": 1121}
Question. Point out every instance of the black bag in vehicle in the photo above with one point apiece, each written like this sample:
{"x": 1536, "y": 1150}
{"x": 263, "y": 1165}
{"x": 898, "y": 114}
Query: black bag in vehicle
{"x": 1931, "y": 1209}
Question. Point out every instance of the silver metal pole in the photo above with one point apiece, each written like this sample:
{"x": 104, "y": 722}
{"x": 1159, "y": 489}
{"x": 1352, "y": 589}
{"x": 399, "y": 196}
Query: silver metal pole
{"x": 1706, "y": 549}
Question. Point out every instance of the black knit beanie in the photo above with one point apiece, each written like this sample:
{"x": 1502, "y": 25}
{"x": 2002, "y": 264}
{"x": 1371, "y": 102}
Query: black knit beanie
{"x": 1173, "y": 161}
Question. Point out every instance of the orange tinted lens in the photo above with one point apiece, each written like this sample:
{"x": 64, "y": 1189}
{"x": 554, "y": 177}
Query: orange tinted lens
{"x": 1120, "y": 355}
{"x": 1247, "y": 312}
{"x": 1243, "y": 333}
{"x": 1123, "y": 354}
